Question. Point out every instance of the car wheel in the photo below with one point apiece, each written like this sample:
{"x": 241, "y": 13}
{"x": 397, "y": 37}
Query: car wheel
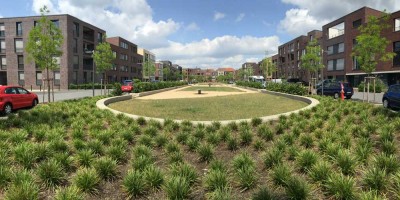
{"x": 336, "y": 95}
{"x": 319, "y": 93}
{"x": 386, "y": 103}
{"x": 348, "y": 97}
{"x": 34, "y": 103}
{"x": 7, "y": 108}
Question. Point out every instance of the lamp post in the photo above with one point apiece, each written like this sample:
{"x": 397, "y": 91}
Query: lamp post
{"x": 91, "y": 52}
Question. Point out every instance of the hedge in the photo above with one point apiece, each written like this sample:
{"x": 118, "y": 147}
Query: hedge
{"x": 88, "y": 86}
{"x": 379, "y": 86}
{"x": 290, "y": 88}
{"x": 148, "y": 86}
{"x": 257, "y": 85}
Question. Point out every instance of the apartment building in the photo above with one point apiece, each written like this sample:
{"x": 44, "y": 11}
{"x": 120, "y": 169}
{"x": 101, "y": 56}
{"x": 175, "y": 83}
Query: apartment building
{"x": 225, "y": 71}
{"x": 76, "y": 65}
{"x": 146, "y": 56}
{"x": 159, "y": 71}
{"x": 257, "y": 71}
{"x": 126, "y": 64}
{"x": 289, "y": 56}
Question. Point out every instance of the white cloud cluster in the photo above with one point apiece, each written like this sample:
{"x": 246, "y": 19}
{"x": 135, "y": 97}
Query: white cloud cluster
{"x": 311, "y": 14}
{"x": 224, "y": 50}
{"x": 132, "y": 19}
{"x": 218, "y": 15}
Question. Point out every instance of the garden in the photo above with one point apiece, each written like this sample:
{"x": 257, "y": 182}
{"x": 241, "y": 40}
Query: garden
{"x": 72, "y": 150}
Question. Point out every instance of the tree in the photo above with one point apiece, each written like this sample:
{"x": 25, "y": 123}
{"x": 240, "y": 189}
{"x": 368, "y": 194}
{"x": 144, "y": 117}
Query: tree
{"x": 312, "y": 61}
{"x": 166, "y": 72}
{"x": 149, "y": 68}
{"x": 44, "y": 46}
{"x": 371, "y": 46}
{"x": 268, "y": 67}
{"x": 103, "y": 57}
{"x": 239, "y": 75}
{"x": 249, "y": 71}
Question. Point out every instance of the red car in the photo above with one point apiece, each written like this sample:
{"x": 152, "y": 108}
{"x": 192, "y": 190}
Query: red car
{"x": 127, "y": 86}
{"x": 15, "y": 97}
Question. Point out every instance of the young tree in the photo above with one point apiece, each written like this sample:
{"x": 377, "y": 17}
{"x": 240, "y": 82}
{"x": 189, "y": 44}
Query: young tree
{"x": 149, "y": 68}
{"x": 268, "y": 67}
{"x": 166, "y": 72}
{"x": 103, "y": 57}
{"x": 312, "y": 61}
{"x": 371, "y": 46}
{"x": 44, "y": 46}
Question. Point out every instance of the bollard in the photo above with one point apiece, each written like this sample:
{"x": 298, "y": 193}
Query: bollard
{"x": 31, "y": 88}
{"x": 198, "y": 91}
{"x": 40, "y": 87}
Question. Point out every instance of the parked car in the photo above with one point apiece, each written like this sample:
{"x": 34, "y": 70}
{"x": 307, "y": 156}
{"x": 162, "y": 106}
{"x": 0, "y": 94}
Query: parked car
{"x": 334, "y": 89}
{"x": 127, "y": 86}
{"x": 326, "y": 81}
{"x": 15, "y": 97}
{"x": 391, "y": 98}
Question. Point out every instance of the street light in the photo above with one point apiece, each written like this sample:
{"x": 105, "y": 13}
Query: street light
{"x": 91, "y": 52}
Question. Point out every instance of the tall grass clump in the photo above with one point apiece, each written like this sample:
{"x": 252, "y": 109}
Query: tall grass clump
{"x": 69, "y": 193}
{"x": 134, "y": 184}
{"x": 375, "y": 179}
{"x": 87, "y": 180}
{"x": 281, "y": 174}
{"x": 272, "y": 157}
{"x": 340, "y": 186}
{"x": 263, "y": 193}
{"x": 346, "y": 161}
{"x": 154, "y": 176}
{"x": 51, "y": 173}
{"x": 206, "y": 152}
{"x": 186, "y": 171}
{"x": 265, "y": 132}
{"x": 306, "y": 159}
{"x": 244, "y": 167}
{"x": 176, "y": 187}
{"x": 297, "y": 188}
{"x": 106, "y": 167}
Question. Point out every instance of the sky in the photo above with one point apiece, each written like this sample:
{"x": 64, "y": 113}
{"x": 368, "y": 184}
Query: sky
{"x": 202, "y": 33}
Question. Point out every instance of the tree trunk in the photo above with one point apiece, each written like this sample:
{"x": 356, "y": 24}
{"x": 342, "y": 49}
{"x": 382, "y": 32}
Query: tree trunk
{"x": 368, "y": 89}
{"x": 105, "y": 82}
{"x": 48, "y": 86}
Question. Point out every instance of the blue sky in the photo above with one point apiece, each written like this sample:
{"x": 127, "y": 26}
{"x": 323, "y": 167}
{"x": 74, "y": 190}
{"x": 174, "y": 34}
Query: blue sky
{"x": 202, "y": 33}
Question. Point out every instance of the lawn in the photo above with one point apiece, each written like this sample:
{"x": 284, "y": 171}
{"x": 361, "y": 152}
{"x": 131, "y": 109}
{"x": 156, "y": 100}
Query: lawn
{"x": 210, "y": 108}
{"x": 212, "y": 88}
{"x": 72, "y": 150}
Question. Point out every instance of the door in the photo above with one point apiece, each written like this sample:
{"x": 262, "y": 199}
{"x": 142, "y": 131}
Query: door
{"x": 25, "y": 97}
{"x": 395, "y": 96}
{"x": 13, "y": 97}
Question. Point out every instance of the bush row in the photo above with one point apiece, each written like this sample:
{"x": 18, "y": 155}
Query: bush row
{"x": 87, "y": 86}
{"x": 147, "y": 86}
{"x": 289, "y": 88}
{"x": 257, "y": 85}
{"x": 379, "y": 86}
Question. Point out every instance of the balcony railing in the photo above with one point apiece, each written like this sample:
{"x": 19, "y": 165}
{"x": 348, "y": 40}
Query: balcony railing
{"x": 339, "y": 33}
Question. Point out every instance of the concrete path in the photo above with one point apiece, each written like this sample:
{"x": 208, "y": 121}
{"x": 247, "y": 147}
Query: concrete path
{"x": 359, "y": 96}
{"x": 67, "y": 94}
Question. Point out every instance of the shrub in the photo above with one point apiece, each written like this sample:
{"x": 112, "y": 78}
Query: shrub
{"x": 106, "y": 167}
{"x": 84, "y": 158}
{"x": 117, "y": 91}
{"x": 246, "y": 136}
{"x": 185, "y": 171}
{"x": 23, "y": 190}
{"x": 272, "y": 157}
{"x": 154, "y": 176}
{"x": 256, "y": 121}
{"x": 176, "y": 187}
{"x": 216, "y": 179}
{"x": 175, "y": 157}
{"x": 5, "y": 176}
{"x": 160, "y": 140}
{"x": 220, "y": 194}
{"x": 320, "y": 171}
{"x": 280, "y": 174}
{"x": 172, "y": 147}
{"x": 257, "y": 85}
{"x": 306, "y": 159}
{"x": 306, "y": 140}
{"x": 379, "y": 86}
{"x": 87, "y": 180}
{"x": 232, "y": 144}
{"x": 395, "y": 185}
{"x": 69, "y": 193}
{"x": 193, "y": 143}
{"x": 141, "y": 121}
{"x": 375, "y": 179}
{"x": 182, "y": 137}
{"x": 263, "y": 193}
{"x": 117, "y": 153}
{"x": 213, "y": 138}
{"x": 265, "y": 132}
{"x": 218, "y": 165}
{"x": 134, "y": 184}
{"x": 258, "y": 145}
{"x": 139, "y": 163}
{"x": 142, "y": 150}
{"x": 247, "y": 176}
{"x": 384, "y": 162}
{"x": 96, "y": 146}
{"x": 51, "y": 173}
{"x": 297, "y": 188}
{"x": 145, "y": 140}
{"x": 341, "y": 187}
{"x": 289, "y": 88}
{"x": 25, "y": 155}
{"x": 243, "y": 160}
{"x": 346, "y": 161}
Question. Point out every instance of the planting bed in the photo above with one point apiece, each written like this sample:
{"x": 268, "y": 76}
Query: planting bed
{"x": 212, "y": 88}
{"x": 72, "y": 150}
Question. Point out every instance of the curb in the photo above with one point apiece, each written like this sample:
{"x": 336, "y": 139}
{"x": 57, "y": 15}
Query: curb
{"x": 102, "y": 104}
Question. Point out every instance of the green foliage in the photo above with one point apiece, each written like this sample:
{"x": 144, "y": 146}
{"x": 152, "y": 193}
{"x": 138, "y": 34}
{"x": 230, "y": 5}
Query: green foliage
{"x": 69, "y": 193}
{"x": 341, "y": 187}
{"x": 117, "y": 91}
{"x": 371, "y": 46}
{"x": 216, "y": 179}
{"x": 289, "y": 88}
{"x": 176, "y": 187}
{"x": 154, "y": 176}
{"x": 103, "y": 57}
{"x": 106, "y": 167}
{"x": 297, "y": 188}
{"x": 257, "y": 85}
{"x": 87, "y": 180}
{"x": 312, "y": 59}
{"x": 281, "y": 174}
{"x": 379, "y": 86}
{"x": 51, "y": 173}
{"x": 23, "y": 190}
{"x": 268, "y": 67}
{"x": 185, "y": 171}
{"x": 134, "y": 184}
{"x": 375, "y": 179}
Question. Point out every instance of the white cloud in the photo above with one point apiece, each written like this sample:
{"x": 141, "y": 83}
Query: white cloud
{"x": 131, "y": 19}
{"x": 240, "y": 17}
{"x": 192, "y": 27}
{"x": 224, "y": 50}
{"x": 299, "y": 22}
{"x": 311, "y": 14}
{"x": 218, "y": 16}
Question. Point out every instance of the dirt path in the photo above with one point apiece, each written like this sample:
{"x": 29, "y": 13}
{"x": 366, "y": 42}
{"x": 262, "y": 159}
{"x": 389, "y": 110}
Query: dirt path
{"x": 177, "y": 93}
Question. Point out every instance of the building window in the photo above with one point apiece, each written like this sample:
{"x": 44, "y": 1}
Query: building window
{"x": 19, "y": 45}
{"x": 57, "y": 78}
{"x": 75, "y": 46}
{"x": 336, "y": 65}
{"x": 3, "y": 46}
{"x": 56, "y": 23}
{"x": 356, "y": 64}
{"x": 123, "y": 45}
{"x": 396, "y": 49}
{"x": 114, "y": 54}
{"x": 123, "y": 56}
{"x": 357, "y": 23}
{"x": 76, "y": 62}
{"x": 311, "y": 37}
{"x": 336, "y": 31}
{"x": 39, "y": 78}
{"x": 21, "y": 78}
{"x": 397, "y": 24}
{"x": 124, "y": 69}
{"x": 3, "y": 63}
{"x": 58, "y": 60}
{"x": 337, "y": 48}
{"x": 99, "y": 37}
{"x": 20, "y": 62}
{"x": 19, "y": 28}
{"x": 76, "y": 29}
{"x": 75, "y": 77}
{"x": 2, "y": 30}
